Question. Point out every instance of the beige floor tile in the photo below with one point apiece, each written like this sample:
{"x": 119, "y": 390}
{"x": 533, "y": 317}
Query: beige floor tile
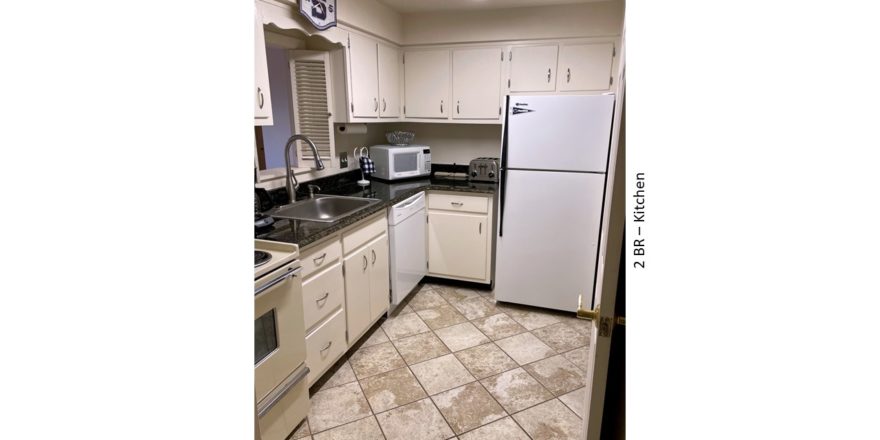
{"x": 441, "y": 374}
{"x": 534, "y": 319}
{"x": 485, "y": 360}
{"x": 515, "y": 390}
{"x": 402, "y": 326}
{"x": 440, "y": 317}
{"x": 301, "y": 431}
{"x": 582, "y": 326}
{"x": 392, "y": 389}
{"x": 499, "y": 326}
{"x": 426, "y": 299}
{"x": 363, "y": 429}
{"x": 575, "y": 400}
{"x": 504, "y": 429}
{"x": 421, "y": 347}
{"x": 468, "y": 407}
{"x": 550, "y": 421}
{"x": 337, "y": 406}
{"x": 461, "y": 336}
{"x": 475, "y": 308}
{"x": 375, "y": 359}
{"x": 557, "y": 374}
{"x": 525, "y": 348}
{"x": 378, "y": 337}
{"x": 417, "y": 421}
{"x": 561, "y": 337}
{"x": 579, "y": 357}
{"x": 454, "y": 294}
{"x": 342, "y": 375}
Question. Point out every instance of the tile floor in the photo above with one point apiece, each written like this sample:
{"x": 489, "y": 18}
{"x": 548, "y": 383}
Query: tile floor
{"x": 453, "y": 363}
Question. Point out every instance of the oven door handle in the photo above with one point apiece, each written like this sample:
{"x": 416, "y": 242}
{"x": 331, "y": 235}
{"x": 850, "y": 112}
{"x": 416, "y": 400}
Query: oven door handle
{"x": 272, "y": 400}
{"x": 277, "y": 281}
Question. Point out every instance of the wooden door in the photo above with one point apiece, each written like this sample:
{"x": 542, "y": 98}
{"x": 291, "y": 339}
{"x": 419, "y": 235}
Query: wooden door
{"x": 364, "y": 77}
{"x": 357, "y": 292}
{"x": 380, "y": 277}
{"x": 457, "y": 244}
{"x": 476, "y": 83}
{"x": 426, "y": 83}
{"x": 389, "y": 82}
{"x": 585, "y": 67}
{"x": 533, "y": 68}
{"x": 262, "y": 99}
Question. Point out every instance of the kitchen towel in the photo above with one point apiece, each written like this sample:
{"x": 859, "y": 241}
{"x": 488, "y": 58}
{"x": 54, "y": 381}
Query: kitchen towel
{"x": 367, "y": 165}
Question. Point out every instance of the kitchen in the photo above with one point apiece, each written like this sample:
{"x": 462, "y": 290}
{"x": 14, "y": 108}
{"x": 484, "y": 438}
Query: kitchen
{"x": 452, "y": 168}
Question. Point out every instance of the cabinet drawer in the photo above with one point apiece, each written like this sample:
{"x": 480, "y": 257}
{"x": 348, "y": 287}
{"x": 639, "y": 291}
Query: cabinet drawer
{"x": 323, "y": 257}
{"x": 357, "y": 238}
{"x": 324, "y": 345}
{"x": 322, "y": 294}
{"x": 454, "y": 202}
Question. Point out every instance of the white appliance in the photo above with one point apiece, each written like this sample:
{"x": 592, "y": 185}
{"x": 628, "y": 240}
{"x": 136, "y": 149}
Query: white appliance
{"x": 280, "y": 372}
{"x": 554, "y": 160}
{"x": 407, "y": 227}
{"x": 400, "y": 162}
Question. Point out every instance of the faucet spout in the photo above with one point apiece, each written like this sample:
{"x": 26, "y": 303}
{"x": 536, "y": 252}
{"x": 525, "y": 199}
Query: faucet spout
{"x": 319, "y": 164}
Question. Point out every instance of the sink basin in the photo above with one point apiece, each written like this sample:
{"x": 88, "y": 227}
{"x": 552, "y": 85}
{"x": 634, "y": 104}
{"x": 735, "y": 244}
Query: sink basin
{"x": 323, "y": 208}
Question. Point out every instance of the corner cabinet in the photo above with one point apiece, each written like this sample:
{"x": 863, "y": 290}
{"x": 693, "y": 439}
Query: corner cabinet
{"x": 460, "y": 236}
{"x": 262, "y": 99}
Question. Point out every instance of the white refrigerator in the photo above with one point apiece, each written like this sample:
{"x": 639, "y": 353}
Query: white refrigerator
{"x": 551, "y": 189}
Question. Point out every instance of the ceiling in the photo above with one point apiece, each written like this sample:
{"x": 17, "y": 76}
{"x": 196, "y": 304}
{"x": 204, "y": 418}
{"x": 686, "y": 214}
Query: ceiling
{"x": 410, "y": 6}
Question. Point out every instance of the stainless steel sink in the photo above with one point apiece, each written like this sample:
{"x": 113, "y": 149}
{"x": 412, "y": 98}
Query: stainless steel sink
{"x": 323, "y": 208}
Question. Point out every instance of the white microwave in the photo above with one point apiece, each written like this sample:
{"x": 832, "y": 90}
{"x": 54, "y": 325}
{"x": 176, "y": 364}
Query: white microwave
{"x": 395, "y": 162}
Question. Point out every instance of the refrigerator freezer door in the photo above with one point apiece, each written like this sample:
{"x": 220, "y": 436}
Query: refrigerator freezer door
{"x": 546, "y": 255}
{"x": 567, "y": 133}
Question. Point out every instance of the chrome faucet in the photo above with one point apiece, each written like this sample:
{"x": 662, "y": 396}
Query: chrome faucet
{"x": 312, "y": 189}
{"x": 319, "y": 164}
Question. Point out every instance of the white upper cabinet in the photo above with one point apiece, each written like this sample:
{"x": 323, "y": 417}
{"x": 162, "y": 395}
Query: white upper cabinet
{"x": 476, "y": 83}
{"x": 364, "y": 99}
{"x": 262, "y": 100}
{"x": 585, "y": 67}
{"x": 389, "y": 82}
{"x": 533, "y": 68}
{"x": 426, "y": 83}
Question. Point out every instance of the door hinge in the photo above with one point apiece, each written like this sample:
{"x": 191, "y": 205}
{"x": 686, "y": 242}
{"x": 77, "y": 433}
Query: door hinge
{"x": 502, "y": 55}
{"x": 510, "y": 56}
{"x": 349, "y": 42}
{"x": 404, "y": 58}
{"x": 404, "y": 110}
{"x": 499, "y": 110}
{"x": 343, "y": 270}
{"x": 613, "y": 51}
{"x": 610, "y": 80}
{"x": 352, "y": 107}
{"x": 508, "y": 83}
{"x": 427, "y": 265}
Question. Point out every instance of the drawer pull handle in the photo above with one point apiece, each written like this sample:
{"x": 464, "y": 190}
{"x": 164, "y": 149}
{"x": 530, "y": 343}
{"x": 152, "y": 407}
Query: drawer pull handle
{"x": 323, "y": 298}
{"x": 548, "y": 75}
{"x": 315, "y": 260}
{"x": 568, "y": 75}
{"x": 327, "y": 347}
{"x": 374, "y": 256}
{"x": 481, "y": 228}
{"x": 457, "y": 203}
{"x": 365, "y": 262}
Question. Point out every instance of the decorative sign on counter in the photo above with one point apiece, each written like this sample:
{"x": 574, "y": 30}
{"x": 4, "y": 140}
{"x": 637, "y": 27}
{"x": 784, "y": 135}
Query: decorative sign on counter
{"x": 321, "y": 13}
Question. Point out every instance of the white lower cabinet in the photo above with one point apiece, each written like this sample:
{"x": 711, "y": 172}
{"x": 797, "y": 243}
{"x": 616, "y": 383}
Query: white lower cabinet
{"x": 380, "y": 277}
{"x": 459, "y": 237}
{"x": 367, "y": 276}
{"x": 357, "y": 292}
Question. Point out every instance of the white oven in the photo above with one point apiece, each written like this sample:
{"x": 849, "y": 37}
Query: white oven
{"x": 280, "y": 372}
{"x": 400, "y": 162}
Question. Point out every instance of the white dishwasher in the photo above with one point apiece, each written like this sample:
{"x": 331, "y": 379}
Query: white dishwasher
{"x": 407, "y": 227}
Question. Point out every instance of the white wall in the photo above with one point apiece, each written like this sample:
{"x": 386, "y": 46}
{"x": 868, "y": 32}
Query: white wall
{"x": 596, "y": 19}
{"x": 454, "y": 143}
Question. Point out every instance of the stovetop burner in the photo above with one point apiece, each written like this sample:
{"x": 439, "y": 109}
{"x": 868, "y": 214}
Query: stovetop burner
{"x": 261, "y": 258}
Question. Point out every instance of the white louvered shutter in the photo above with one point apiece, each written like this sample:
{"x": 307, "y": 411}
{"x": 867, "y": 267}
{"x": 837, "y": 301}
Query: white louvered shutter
{"x": 311, "y": 97}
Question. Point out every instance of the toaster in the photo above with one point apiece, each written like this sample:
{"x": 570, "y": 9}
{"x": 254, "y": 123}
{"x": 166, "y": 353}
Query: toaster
{"x": 483, "y": 169}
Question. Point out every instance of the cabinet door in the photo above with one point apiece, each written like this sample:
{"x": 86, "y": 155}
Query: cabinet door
{"x": 262, "y": 100}
{"x": 357, "y": 292}
{"x": 585, "y": 67}
{"x": 380, "y": 277}
{"x": 364, "y": 77}
{"x": 457, "y": 244}
{"x": 389, "y": 82}
{"x": 476, "y": 83}
{"x": 426, "y": 83}
{"x": 533, "y": 68}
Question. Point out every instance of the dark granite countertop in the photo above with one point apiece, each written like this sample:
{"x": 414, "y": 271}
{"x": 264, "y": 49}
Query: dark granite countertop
{"x": 304, "y": 233}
